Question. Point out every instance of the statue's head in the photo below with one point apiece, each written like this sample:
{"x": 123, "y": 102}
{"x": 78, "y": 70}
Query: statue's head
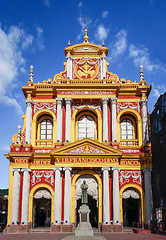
{"x": 84, "y": 182}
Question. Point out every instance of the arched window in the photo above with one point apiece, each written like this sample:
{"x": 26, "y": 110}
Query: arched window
{"x": 46, "y": 129}
{"x": 126, "y": 129}
{"x": 86, "y": 127}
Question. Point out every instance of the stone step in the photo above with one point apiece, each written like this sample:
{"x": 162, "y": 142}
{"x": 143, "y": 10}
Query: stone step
{"x": 40, "y": 230}
{"x": 127, "y": 230}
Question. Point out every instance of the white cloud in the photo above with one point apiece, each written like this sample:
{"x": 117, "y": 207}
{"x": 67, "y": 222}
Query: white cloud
{"x": 46, "y": 3}
{"x": 80, "y": 4}
{"x": 156, "y": 93}
{"x": 141, "y": 56}
{"x": 105, "y": 14}
{"x": 27, "y": 41}
{"x": 119, "y": 45}
{"x": 13, "y": 42}
{"x": 102, "y": 33}
{"x": 39, "y": 39}
{"x": 82, "y": 23}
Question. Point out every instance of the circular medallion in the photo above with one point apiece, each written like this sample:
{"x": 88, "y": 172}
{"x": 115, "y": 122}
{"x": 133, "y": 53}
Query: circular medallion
{"x": 86, "y": 69}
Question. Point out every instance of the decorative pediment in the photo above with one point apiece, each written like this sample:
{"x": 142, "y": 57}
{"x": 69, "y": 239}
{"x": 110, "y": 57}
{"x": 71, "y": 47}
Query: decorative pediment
{"x": 86, "y": 147}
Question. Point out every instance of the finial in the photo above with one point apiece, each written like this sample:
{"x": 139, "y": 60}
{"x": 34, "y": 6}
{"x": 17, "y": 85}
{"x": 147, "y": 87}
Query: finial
{"x": 69, "y": 44}
{"x": 19, "y": 135}
{"x": 86, "y": 38}
{"x": 103, "y": 44}
{"x": 31, "y": 73}
{"x": 86, "y": 19}
{"x": 141, "y": 73}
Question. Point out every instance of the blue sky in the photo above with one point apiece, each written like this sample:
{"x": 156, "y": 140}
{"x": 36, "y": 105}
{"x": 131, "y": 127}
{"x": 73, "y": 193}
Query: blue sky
{"x": 36, "y": 32}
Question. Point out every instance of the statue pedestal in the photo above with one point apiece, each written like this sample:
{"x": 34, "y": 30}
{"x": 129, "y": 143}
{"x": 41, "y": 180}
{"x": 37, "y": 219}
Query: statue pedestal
{"x": 84, "y": 227}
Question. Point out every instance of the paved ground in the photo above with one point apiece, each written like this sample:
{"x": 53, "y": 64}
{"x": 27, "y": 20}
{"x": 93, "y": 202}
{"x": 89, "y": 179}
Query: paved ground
{"x": 112, "y": 236}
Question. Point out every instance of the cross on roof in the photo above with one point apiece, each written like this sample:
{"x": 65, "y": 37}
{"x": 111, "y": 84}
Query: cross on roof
{"x": 85, "y": 19}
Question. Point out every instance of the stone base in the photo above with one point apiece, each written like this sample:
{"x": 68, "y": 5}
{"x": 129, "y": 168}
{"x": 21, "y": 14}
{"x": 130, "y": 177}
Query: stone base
{"x": 84, "y": 229}
{"x": 56, "y": 228}
{"x": 111, "y": 228}
{"x": 118, "y": 228}
{"x": 61, "y": 228}
{"x": 17, "y": 228}
{"x": 84, "y": 232}
{"x": 107, "y": 228}
{"x": 23, "y": 228}
{"x": 67, "y": 228}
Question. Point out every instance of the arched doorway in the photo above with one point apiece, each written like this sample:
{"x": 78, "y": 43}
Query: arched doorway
{"x": 42, "y": 208}
{"x": 92, "y": 198}
{"x": 131, "y": 207}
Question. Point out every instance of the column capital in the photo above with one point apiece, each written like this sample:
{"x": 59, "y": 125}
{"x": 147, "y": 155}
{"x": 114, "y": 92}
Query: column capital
{"x": 68, "y": 101}
{"x": 16, "y": 170}
{"x": 57, "y": 168}
{"x": 147, "y": 170}
{"x": 105, "y": 168}
{"x": 59, "y": 101}
{"x": 68, "y": 56}
{"x": 113, "y": 100}
{"x": 29, "y": 102}
{"x": 67, "y": 168}
{"x": 115, "y": 169}
{"x": 26, "y": 169}
{"x": 104, "y": 100}
{"x": 143, "y": 102}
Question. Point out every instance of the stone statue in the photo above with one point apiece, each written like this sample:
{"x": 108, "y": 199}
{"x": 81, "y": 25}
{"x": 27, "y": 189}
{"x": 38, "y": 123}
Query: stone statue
{"x": 84, "y": 196}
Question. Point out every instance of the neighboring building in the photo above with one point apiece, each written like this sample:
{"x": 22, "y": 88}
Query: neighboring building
{"x": 3, "y": 205}
{"x": 84, "y": 124}
{"x": 158, "y": 138}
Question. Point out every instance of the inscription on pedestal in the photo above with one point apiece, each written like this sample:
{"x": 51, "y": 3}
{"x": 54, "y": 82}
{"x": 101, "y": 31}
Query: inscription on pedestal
{"x": 83, "y": 217}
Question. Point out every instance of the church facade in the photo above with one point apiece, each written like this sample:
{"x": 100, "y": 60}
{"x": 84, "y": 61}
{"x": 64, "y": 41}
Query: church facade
{"x": 84, "y": 124}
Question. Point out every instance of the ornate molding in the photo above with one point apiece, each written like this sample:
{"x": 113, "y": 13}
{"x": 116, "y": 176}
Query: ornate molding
{"x": 131, "y": 105}
{"x": 86, "y": 69}
{"x": 42, "y": 194}
{"x": 86, "y": 149}
{"x": 89, "y": 105}
{"x": 38, "y": 176}
{"x": 130, "y": 176}
{"x": 45, "y": 105}
{"x": 130, "y": 193}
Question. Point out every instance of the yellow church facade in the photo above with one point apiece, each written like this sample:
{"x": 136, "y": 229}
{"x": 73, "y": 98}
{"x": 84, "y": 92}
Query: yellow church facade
{"x": 84, "y": 124}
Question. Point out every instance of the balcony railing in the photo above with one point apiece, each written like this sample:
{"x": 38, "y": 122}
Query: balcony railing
{"x": 44, "y": 143}
{"x": 129, "y": 142}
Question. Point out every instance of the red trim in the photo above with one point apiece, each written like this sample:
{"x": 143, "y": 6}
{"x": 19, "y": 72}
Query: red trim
{"x": 128, "y": 97}
{"x": 63, "y": 123}
{"x": 20, "y": 199}
{"x": 110, "y": 188}
{"x": 43, "y": 97}
{"x": 109, "y": 123}
{"x": 63, "y": 190}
